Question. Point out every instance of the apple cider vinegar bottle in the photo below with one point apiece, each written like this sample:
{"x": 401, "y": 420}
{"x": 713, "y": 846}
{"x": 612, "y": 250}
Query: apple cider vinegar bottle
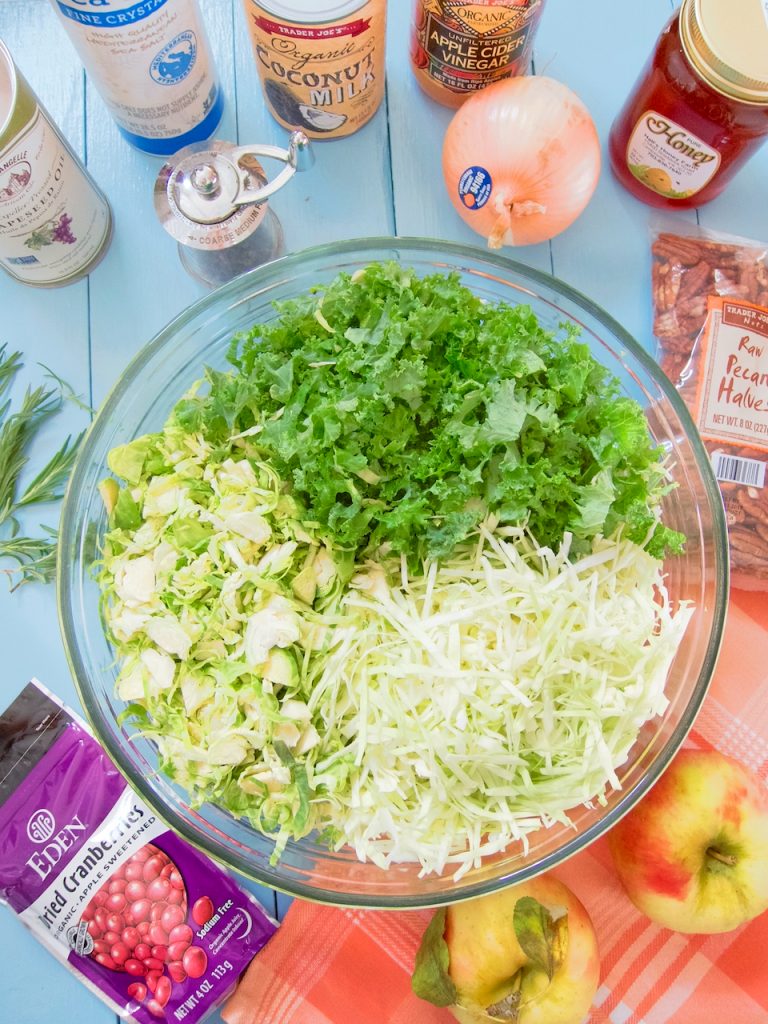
{"x": 458, "y": 48}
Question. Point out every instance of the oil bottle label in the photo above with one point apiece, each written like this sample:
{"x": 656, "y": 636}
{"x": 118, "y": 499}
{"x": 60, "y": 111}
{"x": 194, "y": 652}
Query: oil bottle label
{"x": 666, "y": 158}
{"x": 466, "y": 46}
{"x": 52, "y": 222}
{"x": 152, "y": 65}
{"x": 326, "y": 78}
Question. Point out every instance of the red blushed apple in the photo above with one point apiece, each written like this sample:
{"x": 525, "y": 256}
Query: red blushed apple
{"x": 526, "y": 954}
{"x": 693, "y": 854}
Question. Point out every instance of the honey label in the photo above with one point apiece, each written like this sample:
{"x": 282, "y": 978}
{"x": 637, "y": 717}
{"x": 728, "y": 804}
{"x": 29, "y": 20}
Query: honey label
{"x": 466, "y": 46}
{"x": 732, "y": 398}
{"x": 326, "y": 78}
{"x": 669, "y": 160}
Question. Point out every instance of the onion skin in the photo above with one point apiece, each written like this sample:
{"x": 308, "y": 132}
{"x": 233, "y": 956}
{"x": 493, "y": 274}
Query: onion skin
{"x": 537, "y": 141}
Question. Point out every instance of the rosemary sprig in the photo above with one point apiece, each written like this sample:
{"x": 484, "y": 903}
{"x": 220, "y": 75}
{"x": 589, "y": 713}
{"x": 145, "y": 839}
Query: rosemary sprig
{"x": 9, "y": 367}
{"x": 35, "y": 556}
{"x": 16, "y": 432}
{"x": 67, "y": 391}
{"x": 50, "y": 483}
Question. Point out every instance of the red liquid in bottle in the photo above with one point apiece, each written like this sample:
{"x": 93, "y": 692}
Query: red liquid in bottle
{"x": 679, "y": 140}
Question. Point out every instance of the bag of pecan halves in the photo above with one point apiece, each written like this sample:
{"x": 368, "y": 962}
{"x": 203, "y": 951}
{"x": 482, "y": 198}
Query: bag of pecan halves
{"x": 152, "y": 926}
{"x": 710, "y": 306}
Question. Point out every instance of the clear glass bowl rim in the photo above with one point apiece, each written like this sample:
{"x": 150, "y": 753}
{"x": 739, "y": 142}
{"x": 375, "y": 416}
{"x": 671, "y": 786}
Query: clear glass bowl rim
{"x": 259, "y": 280}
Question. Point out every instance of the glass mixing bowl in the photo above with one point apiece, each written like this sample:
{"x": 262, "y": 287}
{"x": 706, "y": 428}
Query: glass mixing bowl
{"x": 141, "y": 401}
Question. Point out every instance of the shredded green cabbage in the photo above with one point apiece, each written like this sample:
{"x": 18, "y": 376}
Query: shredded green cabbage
{"x": 486, "y": 697}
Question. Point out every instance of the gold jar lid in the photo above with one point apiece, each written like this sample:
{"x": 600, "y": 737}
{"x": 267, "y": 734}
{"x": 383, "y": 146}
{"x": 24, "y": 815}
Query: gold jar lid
{"x": 727, "y": 43}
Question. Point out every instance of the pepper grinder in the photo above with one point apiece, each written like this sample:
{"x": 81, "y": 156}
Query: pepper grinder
{"x": 211, "y": 197}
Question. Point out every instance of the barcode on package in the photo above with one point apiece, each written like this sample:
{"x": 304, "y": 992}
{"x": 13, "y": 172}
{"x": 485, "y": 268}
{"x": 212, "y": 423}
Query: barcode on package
{"x": 737, "y": 470}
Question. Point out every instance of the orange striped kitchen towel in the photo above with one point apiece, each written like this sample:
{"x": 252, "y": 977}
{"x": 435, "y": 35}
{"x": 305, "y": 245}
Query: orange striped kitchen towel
{"x": 341, "y": 966}
{"x": 334, "y": 965}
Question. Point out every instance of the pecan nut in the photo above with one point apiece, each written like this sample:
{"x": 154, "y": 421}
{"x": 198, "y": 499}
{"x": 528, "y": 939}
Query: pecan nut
{"x": 678, "y": 249}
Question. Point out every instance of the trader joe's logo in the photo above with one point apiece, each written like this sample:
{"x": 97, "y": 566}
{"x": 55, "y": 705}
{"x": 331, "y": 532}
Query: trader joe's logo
{"x": 14, "y": 178}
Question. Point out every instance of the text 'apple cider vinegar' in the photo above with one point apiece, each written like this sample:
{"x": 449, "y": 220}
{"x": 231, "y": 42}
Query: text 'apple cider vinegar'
{"x": 321, "y": 62}
{"x": 458, "y": 48}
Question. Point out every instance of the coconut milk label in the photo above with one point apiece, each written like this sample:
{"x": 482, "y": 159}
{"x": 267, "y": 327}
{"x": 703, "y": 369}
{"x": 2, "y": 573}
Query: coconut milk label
{"x": 152, "y": 65}
{"x": 668, "y": 159}
{"x": 326, "y": 78}
{"x": 52, "y": 222}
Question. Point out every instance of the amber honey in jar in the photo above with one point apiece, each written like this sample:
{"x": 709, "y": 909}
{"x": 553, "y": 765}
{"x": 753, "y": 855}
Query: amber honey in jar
{"x": 458, "y": 48}
{"x": 700, "y": 107}
{"x": 321, "y": 62}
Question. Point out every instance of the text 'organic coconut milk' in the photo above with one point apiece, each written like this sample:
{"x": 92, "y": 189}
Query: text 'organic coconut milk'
{"x": 321, "y": 63}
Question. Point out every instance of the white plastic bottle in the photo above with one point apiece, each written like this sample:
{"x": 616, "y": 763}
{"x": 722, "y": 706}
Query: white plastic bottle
{"x": 152, "y": 65}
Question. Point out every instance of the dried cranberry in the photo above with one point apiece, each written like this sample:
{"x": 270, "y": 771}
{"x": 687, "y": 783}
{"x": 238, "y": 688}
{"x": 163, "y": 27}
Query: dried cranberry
{"x": 171, "y": 917}
{"x": 152, "y": 979}
{"x": 135, "y": 890}
{"x": 163, "y": 990}
{"x": 177, "y": 972}
{"x": 137, "y": 990}
{"x": 195, "y": 961}
{"x": 176, "y": 950}
{"x": 202, "y": 911}
{"x": 181, "y": 933}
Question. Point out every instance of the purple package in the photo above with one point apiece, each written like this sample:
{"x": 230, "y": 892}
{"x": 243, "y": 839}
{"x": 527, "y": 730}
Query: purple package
{"x": 154, "y": 927}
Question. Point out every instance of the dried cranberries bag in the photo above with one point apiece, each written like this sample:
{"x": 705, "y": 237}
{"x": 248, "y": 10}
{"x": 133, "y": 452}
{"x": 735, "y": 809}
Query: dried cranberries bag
{"x": 710, "y": 298}
{"x": 152, "y": 926}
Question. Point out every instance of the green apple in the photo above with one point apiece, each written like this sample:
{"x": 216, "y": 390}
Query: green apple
{"x": 527, "y": 954}
{"x": 693, "y": 854}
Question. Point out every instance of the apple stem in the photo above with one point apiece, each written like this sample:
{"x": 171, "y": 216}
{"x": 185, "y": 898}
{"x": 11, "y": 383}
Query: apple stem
{"x": 724, "y": 858}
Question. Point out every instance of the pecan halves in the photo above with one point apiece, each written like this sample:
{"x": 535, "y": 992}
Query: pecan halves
{"x": 696, "y": 281}
{"x": 686, "y": 270}
{"x": 754, "y": 507}
{"x": 748, "y": 542}
{"x": 677, "y": 249}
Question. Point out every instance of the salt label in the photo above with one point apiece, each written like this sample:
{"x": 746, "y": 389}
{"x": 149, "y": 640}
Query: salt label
{"x": 152, "y": 65}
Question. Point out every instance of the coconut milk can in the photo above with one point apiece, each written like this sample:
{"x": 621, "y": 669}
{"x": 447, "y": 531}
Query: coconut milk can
{"x": 321, "y": 62}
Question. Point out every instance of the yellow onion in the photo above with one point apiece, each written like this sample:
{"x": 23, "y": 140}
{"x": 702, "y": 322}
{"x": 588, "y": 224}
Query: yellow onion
{"x": 521, "y": 160}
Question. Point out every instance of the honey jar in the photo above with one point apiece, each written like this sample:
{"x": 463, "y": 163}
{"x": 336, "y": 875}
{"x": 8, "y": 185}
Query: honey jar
{"x": 700, "y": 107}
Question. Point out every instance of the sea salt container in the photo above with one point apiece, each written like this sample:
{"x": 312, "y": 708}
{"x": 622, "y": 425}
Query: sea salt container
{"x": 151, "y": 63}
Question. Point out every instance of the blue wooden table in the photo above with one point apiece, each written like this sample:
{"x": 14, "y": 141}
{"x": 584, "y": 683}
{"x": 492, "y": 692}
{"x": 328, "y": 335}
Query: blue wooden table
{"x": 384, "y": 180}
